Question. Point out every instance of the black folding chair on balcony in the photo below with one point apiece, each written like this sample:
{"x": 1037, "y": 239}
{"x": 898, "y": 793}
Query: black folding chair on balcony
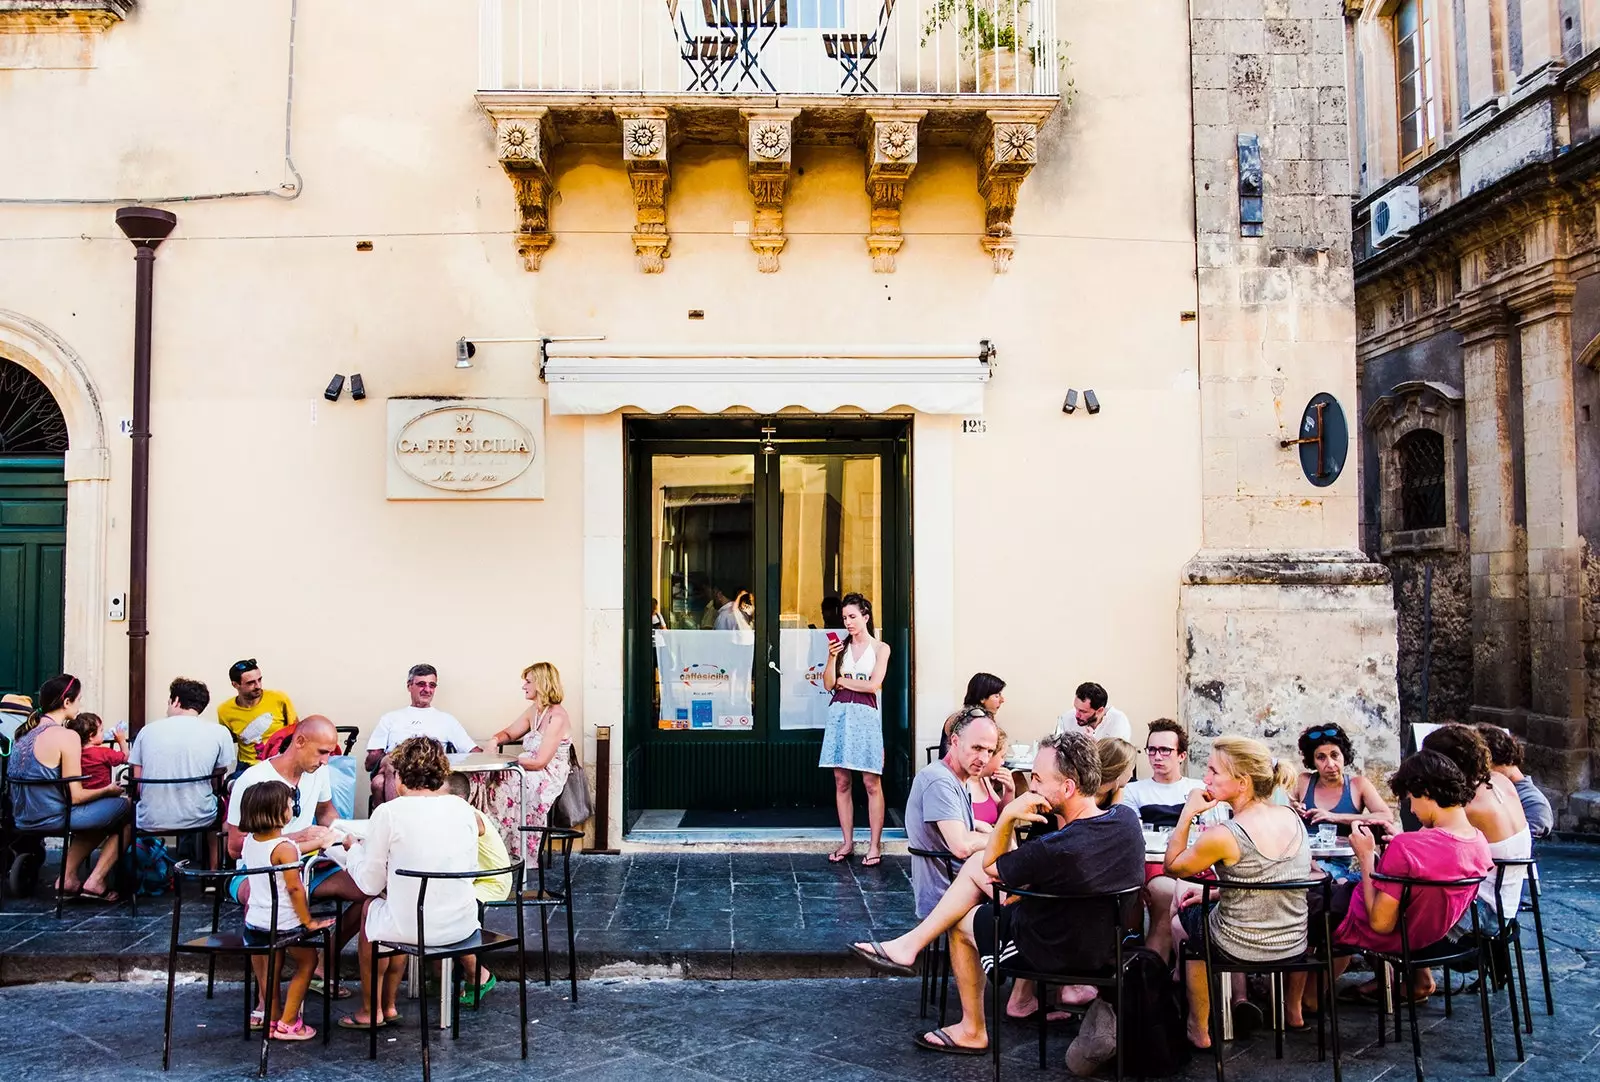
{"x": 754, "y": 23}
{"x": 217, "y": 944}
{"x": 479, "y": 943}
{"x": 1469, "y": 951}
{"x": 1316, "y": 960}
{"x": 858, "y": 54}
{"x": 205, "y": 834}
{"x": 706, "y": 56}
{"x": 936, "y": 955}
{"x": 1123, "y": 916}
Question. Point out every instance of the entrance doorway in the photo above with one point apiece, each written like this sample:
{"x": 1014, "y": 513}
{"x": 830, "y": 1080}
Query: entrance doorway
{"x": 743, "y": 536}
{"x": 33, "y": 531}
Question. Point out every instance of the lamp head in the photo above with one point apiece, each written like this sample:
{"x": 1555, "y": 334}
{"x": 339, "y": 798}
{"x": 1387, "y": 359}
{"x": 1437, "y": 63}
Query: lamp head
{"x": 465, "y": 351}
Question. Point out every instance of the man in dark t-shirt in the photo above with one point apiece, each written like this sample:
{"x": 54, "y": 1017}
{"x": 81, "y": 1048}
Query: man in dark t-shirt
{"x": 1094, "y": 852}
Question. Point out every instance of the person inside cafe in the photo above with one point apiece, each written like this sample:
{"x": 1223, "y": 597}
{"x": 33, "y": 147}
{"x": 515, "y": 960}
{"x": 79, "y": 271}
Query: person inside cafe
{"x": 182, "y": 745}
{"x": 254, "y": 713}
{"x": 46, "y": 750}
{"x": 939, "y": 813}
{"x": 1261, "y": 842}
{"x": 1096, "y": 851}
{"x": 1094, "y": 715}
{"x": 1329, "y": 791}
{"x": 1505, "y": 758}
{"x": 303, "y": 766}
{"x": 1447, "y": 846}
{"x": 985, "y": 694}
{"x": 424, "y": 829}
{"x": 545, "y": 729}
{"x": 420, "y": 718}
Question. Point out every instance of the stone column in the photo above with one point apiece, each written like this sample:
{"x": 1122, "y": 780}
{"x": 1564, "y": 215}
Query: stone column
{"x": 1284, "y": 622}
{"x": 1498, "y": 600}
{"x": 1556, "y": 722}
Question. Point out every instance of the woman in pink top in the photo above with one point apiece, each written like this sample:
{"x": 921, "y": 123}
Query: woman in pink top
{"x": 1447, "y": 847}
{"x": 991, "y": 789}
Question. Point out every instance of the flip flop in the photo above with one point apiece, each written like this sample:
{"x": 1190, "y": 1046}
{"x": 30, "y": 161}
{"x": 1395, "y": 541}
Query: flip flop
{"x": 841, "y": 857}
{"x": 874, "y": 955}
{"x": 108, "y": 897}
{"x": 319, "y": 986}
{"x": 940, "y": 1041}
{"x": 872, "y": 862}
{"x": 348, "y": 1021}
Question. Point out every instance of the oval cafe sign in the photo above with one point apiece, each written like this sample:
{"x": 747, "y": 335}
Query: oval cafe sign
{"x": 465, "y": 448}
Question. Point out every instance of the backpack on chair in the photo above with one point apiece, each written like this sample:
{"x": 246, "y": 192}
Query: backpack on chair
{"x": 1154, "y": 1016}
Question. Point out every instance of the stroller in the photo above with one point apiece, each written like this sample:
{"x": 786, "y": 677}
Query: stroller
{"x": 21, "y": 856}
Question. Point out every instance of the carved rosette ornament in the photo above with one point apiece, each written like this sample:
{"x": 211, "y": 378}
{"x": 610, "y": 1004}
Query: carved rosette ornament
{"x": 891, "y": 142}
{"x": 1007, "y": 149}
{"x": 644, "y": 148}
{"x": 521, "y": 141}
{"x": 769, "y": 137}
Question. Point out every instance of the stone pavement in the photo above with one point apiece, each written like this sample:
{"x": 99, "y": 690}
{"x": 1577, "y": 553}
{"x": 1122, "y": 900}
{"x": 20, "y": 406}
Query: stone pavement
{"x": 740, "y": 1031}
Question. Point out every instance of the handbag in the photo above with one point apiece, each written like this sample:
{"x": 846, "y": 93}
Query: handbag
{"x": 573, "y": 806}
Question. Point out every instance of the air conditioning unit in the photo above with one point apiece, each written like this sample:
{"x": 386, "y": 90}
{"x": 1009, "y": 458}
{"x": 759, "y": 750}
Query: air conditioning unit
{"x": 1394, "y": 214}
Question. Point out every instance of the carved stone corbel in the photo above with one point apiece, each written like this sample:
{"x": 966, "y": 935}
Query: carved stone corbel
{"x": 1007, "y": 149}
{"x": 523, "y": 138}
{"x": 891, "y": 141}
{"x": 769, "y": 137}
{"x": 644, "y": 148}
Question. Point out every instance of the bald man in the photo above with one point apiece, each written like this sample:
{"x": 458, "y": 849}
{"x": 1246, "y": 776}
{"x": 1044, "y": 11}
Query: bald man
{"x": 302, "y": 766}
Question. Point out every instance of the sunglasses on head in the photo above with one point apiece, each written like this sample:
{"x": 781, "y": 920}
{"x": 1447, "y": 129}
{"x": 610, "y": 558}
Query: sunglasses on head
{"x": 242, "y": 667}
{"x": 1315, "y": 733}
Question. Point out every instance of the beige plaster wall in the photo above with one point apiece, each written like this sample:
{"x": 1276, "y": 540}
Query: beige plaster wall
{"x": 270, "y": 534}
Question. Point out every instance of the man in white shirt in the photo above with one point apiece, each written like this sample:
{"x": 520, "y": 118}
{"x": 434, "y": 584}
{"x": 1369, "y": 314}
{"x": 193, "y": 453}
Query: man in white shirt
{"x": 421, "y": 718}
{"x": 1095, "y": 716}
{"x": 181, "y": 745}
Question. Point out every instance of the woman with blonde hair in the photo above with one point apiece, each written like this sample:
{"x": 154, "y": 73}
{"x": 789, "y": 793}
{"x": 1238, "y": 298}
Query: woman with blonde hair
{"x": 1263, "y": 842}
{"x": 1117, "y": 759}
{"x": 546, "y": 759}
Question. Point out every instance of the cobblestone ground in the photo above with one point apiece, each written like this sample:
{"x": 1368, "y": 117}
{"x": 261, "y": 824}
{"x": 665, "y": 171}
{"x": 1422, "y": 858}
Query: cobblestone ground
{"x": 754, "y": 1031}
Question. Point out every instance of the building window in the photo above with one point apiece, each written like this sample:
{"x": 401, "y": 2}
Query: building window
{"x": 1422, "y": 480}
{"x": 818, "y": 14}
{"x": 1416, "y": 84}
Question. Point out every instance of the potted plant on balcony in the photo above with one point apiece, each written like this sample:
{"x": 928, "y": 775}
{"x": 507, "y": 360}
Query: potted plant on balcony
{"x": 995, "y": 39}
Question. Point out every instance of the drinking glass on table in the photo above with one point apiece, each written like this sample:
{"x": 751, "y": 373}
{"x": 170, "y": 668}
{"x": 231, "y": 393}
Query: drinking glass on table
{"x": 1327, "y": 836}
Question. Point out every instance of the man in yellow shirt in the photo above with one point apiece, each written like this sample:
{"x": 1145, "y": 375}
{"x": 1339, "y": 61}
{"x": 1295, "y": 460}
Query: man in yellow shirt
{"x": 254, "y": 713}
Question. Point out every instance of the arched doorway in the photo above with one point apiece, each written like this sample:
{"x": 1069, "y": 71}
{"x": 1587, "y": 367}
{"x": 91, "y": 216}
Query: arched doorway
{"x": 33, "y": 530}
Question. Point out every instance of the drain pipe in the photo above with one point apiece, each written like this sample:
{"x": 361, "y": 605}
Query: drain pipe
{"x": 146, "y": 227}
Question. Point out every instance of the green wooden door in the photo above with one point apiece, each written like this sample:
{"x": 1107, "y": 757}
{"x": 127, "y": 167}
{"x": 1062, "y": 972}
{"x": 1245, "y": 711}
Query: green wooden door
{"x": 33, "y": 545}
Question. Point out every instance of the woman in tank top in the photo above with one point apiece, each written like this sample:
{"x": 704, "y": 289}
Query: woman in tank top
{"x": 1495, "y": 809}
{"x": 546, "y": 759}
{"x": 991, "y": 788}
{"x": 852, "y": 743}
{"x": 1262, "y": 843}
{"x": 1328, "y": 792}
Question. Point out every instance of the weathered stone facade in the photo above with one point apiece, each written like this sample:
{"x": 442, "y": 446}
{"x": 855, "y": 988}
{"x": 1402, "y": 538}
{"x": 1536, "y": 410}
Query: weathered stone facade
{"x": 1489, "y": 301}
{"x": 1285, "y": 623}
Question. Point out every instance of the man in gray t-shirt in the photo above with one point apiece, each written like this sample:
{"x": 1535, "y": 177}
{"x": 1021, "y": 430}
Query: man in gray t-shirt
{"x": 939, "y": 811}
{"x": 181, "y": 745}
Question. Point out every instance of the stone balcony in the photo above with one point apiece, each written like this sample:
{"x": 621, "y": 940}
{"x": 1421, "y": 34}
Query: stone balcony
{"x": 887, "y": 76}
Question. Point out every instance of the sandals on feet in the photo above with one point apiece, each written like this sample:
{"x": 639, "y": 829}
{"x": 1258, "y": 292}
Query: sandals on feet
{"x": 298, "y": 1031}
{"x": 940, "y": 1041}
{"x": 841, "y": 856}
{"x": 872, "y": 862}
{"x": 875, "y": 956}
{"x": 319, "y": 985}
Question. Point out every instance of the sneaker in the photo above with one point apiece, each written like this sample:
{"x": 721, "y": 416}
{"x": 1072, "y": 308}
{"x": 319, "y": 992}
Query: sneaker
{"x": 1096, "y": 1041}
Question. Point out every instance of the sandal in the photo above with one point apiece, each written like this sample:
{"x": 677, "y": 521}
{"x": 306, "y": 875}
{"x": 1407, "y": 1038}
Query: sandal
{"x": 940, "y": 1041}
{"x": 107, "y": 896}
{"x": 298, "y": 1031}
{"x": 319, "y": 985}
{"x": 467, "y": 999}
{"x": 875, "y": 956}
{"x": 348, "y": 1021}
{"x": 872, "y": 862}
{"x": 841, "y": 856}
{"x": 257, "y": 1021}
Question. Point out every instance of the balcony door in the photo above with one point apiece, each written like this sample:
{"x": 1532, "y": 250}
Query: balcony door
{"x": 741, "y": 549}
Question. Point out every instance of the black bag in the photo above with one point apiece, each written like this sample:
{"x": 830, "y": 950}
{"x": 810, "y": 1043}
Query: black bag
{"x": 1153, "y": 1017}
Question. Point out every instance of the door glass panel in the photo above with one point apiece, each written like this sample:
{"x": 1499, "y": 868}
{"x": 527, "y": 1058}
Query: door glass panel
{"x": 832, "y": 544}
{"x": 703, "y": 547}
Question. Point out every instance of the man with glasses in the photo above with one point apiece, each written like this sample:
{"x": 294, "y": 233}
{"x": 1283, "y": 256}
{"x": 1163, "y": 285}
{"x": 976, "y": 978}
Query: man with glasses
{"x": 254, "y": 713}
{"x": 302, "y": 766}
{"x": 421, "y": 718}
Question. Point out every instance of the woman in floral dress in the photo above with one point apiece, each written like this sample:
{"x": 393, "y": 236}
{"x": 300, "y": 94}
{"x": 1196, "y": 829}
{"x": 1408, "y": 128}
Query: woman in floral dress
{"x": 546, "y": 759}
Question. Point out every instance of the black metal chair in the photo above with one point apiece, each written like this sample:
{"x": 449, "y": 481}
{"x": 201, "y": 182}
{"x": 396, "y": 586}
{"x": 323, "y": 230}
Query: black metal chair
{"x": 1311, "y": 961}
{"x": 217, "y": 944}
{"x": 64, "y": 787}
{"x": 1449, "y": 954}
{"x": 479, "y": 943}
{"x": 547, "y": 895}
{"x": 206, "y": 834}
{"x": 1125, "y": 915}
{"x": 1531, "y": 905}
{"x": 347, "y": 733}
{"x": 936, "y": 955}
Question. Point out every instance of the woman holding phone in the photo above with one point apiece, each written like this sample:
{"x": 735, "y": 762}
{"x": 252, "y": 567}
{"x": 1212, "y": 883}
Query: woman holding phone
{"x": 853, "y": 739}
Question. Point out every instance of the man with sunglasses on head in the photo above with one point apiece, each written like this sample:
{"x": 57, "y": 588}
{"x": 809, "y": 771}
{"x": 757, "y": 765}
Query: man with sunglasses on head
{"x": 421, "y": 718}
{"x": 302, "y": 766}
{"x": 254, "y": 713}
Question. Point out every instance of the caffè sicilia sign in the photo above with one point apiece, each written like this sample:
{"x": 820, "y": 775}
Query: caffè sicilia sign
{"x": 466, "y": 448}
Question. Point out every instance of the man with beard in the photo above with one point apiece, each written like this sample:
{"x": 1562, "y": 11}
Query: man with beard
{"x": 254, "y": 713}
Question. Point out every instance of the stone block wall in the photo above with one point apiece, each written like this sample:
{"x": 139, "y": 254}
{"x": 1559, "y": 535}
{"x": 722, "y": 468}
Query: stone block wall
{"x": 1450, "y": 661}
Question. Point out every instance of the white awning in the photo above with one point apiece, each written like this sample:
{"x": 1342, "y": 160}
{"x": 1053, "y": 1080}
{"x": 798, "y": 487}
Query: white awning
{"x": 600, "y": 377}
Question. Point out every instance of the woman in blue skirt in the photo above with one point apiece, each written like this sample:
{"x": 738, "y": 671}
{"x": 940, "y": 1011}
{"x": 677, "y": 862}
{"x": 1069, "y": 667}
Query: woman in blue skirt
{"x": 853, "y": 740}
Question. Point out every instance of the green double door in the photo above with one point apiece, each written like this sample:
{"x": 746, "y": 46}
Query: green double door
{"x": 743, "y": 536}
{"x": 33, "y": 546}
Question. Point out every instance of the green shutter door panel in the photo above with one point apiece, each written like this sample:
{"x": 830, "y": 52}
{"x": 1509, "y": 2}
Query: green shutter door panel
{"x": 33, "y": 518}
{"x": 15, "y": 603}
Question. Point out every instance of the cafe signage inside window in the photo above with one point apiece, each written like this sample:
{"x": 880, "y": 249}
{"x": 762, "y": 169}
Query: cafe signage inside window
{"x": 466, "y": 448}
